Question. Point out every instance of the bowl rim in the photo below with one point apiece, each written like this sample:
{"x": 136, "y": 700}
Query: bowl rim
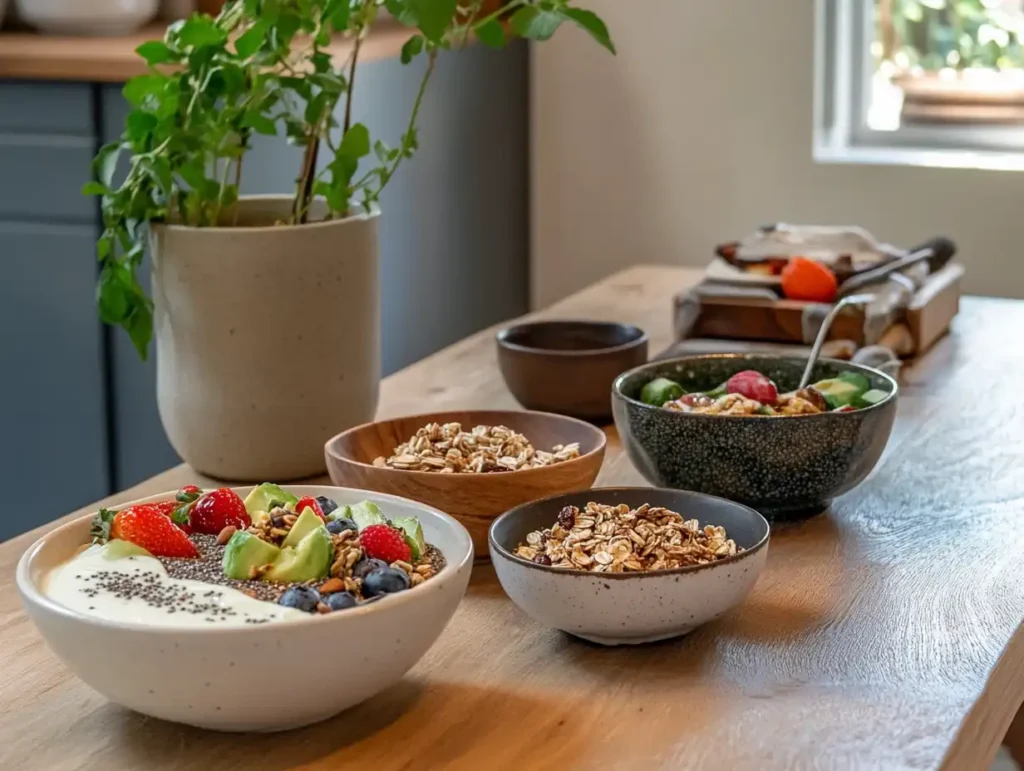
{"x": 32, "y": 594}
{"x": 503, "y": 334}
{"x": 497, "y": 548}
{"x": 892, "y": 395}
{"x": 423, "y": 476}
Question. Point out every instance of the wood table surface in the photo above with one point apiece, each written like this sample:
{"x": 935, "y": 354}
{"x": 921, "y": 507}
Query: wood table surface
{"x": 884, "y": 633}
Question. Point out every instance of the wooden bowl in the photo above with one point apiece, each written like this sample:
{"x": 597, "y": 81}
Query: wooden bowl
{"x": 475, "y": 500}
{"x": 568, "y": 367}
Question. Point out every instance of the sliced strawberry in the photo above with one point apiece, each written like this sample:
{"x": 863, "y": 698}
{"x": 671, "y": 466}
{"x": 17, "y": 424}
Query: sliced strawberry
{"x": 218, "y": 509}
{"x": 147, "y": 526}
{"x": 753, "y": 385}
{"x": 308, "y": 502}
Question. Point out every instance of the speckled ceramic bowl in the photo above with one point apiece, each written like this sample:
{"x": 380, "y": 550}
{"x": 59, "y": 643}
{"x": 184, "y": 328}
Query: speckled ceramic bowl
{"x": 630, "y": 608}
{"x": 783, "y": 466}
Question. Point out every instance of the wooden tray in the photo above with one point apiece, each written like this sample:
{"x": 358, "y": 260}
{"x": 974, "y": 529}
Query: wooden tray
{"x": 925, "y": 320}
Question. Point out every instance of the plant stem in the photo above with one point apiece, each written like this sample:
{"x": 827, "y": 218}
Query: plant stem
{"x": 351, "y": 83}
{"x": 238, "y": 183}
{"x": 431, "y": 61}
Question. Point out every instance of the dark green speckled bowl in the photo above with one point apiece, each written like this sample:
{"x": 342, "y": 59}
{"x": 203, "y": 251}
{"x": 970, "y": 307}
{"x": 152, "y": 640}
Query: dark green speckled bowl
{"x": 785, "y": 467}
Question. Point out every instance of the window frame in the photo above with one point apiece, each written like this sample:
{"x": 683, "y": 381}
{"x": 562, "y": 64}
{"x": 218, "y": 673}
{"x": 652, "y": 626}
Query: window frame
{"x": 844, "y": 31}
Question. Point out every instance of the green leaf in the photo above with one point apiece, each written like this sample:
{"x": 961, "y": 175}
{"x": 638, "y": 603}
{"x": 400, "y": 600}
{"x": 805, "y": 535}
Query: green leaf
{"x": 201, "y": 31}
{"x": 316, "y": 108}
{"x": 403, "y": 11}
{"x": 112, "y": 294}
{"x": 412, "y": 48}
{"x": 534, "y": 24}
{"x": 491, "y": 33}
{"x": 384, "y": 153}
{"x": 139, "y": 125}
{"x": 356, "y": 142}
{"x": 251, "y": 40}
{"x": 435, "y": 17}
{"x": 338, "y": 15}
{"x": 139, "y": 326}
{"x": 592, "y": 23}
{"x": 261, "y": 124}
{"x": 94, "y": 188}
{"x": 155, "y": 52}
{"x": 138, "y": 89}
{"x": 105, "y": 163}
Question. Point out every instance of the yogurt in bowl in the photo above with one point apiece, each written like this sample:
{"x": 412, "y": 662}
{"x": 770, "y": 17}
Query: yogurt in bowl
{"x": 148, "y": 632}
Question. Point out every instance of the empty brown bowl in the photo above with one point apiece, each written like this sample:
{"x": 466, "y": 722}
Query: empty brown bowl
{"x": 475, "y": 500}
{"x": 568, "y": 367}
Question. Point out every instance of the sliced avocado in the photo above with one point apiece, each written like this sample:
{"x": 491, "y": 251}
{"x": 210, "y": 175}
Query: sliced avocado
{"x": 261, "y": 496}
{"x": 310, "y": 560}
{"x": 721, "y": 390}
{"x": 306, "y": 522}
{"x": 245, "y": 551}
{"x": 661, "y": 390}
{"x": 342, "y": 512}
{"x": 413, "y": 531}
{"x": 366, "y": 513}
{"x": 116, "y": 549}
{"x": 855, "y": 378}
{"x": 838, "y": 393}
{"x": 871, "y": 397}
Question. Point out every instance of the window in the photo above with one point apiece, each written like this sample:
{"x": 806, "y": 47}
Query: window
{"x": 924, "y": 82}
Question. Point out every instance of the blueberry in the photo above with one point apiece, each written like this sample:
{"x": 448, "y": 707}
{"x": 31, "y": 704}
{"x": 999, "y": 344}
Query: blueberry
{"x": 341, "y": 600}
{"x": 387, "y": 581}
{"x": 366, "y": 566}
{"x": 303, "y": 598}
{"x": 326, "y": 504}
{"x": 336, "y": 526}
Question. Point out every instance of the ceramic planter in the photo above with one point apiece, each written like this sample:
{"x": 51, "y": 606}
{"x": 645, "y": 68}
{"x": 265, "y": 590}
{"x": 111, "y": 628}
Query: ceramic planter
{"x": 96, "y": 17}
{"x": 267, "y": 339}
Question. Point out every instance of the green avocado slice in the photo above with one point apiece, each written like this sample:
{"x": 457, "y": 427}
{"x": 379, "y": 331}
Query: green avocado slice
{"x": 261, "y": 496}
{"x": 307, "y": 522}
{"x": 310, "y": 560}
{"x": 245, "y": 551}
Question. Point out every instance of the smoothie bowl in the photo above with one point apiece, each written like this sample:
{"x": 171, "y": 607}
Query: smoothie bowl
{"x": 188, "y": 622}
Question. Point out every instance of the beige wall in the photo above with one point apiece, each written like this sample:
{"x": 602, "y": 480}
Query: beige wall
{"x": 700, "y": 130}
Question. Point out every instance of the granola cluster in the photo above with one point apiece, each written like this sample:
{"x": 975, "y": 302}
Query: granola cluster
{"x": 447, "y": 449}
{"x": 617, "y": 539}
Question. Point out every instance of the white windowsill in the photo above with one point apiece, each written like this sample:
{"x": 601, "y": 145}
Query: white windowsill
{"x": 912, "y": 156}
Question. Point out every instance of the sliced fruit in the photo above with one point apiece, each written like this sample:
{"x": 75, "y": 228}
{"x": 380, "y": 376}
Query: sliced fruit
{"x": 144, "y": 525}
{"x": 413, "y": 531}
{"x": 753, "y": 385}
{"x": 385, "y": 543}
{"x": 340, "y": 512}
{"x": 366, "y": 513}
{"x": 855, "y": 378}
{"x": 218, "y": 509}
{"x": 261, "y": 496}
{"x": 308, "y": 502}
{"x": 307, "y": 521}
{"x": 661, "y": 390}
{"x": 805, "y": 279}
{"x": 871, "y": 397}
{"x": 308, "y": 561}
{"x": 117, "y": 549}
{"x": 245, "y": 551}
{"x": 838, "y": 393}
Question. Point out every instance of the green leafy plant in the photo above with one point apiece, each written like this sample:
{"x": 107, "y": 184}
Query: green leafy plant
{"x": 264, "y": 66}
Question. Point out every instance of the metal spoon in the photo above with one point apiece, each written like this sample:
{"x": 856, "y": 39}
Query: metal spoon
{"x": 853, "y": 299}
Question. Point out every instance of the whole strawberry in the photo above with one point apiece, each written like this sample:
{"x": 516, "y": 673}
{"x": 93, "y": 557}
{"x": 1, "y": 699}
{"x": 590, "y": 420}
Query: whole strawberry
{"x": 308, "y": 502}
{"x": 385, "y": 543}
{"x": 218, "y": 509}
{"x": 145, "y": 525}
{"x": 753, "y": 385}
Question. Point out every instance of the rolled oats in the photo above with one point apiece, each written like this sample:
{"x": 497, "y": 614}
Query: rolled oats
{"x": 447, "y": 449}
{"x": 617, "y": 539}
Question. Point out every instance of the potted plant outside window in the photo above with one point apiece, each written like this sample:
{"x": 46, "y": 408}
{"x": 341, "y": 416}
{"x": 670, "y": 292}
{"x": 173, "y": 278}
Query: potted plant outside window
{"x": 265, "y": 309}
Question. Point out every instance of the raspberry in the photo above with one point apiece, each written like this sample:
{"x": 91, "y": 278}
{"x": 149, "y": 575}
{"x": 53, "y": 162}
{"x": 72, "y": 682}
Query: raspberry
{"x": 385, "y": 543}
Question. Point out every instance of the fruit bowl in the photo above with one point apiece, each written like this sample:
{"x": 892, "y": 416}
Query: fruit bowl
{"x": 214, "y": 677}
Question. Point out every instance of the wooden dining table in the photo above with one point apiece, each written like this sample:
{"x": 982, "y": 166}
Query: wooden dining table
{"x": 884, "y": 633}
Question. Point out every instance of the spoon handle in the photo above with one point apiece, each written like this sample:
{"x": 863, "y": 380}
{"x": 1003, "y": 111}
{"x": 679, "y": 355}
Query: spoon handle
{"x": 853, "y": 299}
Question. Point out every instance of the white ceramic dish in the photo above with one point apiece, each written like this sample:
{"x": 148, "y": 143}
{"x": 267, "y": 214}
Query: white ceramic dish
{"x": 217, "y": 678}
{"x": 630, "y": 608}
{"x": 87, "y": 17}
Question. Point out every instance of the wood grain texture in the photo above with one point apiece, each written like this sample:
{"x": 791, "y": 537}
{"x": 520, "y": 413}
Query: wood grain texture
{"x": 476, "y": 500}
{"x": 113, "y": 59}
{"x": 884, "y": 634}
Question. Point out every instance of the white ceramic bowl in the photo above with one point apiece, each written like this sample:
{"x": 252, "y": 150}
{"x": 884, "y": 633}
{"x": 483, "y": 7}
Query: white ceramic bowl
{"x": 218, "y": 678}
{"x": 87, "y": 17}
{"x": 627, "y": 608}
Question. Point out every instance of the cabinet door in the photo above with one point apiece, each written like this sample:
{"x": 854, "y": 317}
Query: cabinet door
{"x": 53, "y": 419}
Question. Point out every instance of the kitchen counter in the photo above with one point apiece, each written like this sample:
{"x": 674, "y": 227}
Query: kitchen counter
{"x": 884, "y": 633}
{"x": 31, "y": 56}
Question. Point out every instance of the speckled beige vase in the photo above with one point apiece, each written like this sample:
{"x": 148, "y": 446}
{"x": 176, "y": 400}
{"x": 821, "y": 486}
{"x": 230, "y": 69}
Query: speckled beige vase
{"x": 267, "y": 339}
